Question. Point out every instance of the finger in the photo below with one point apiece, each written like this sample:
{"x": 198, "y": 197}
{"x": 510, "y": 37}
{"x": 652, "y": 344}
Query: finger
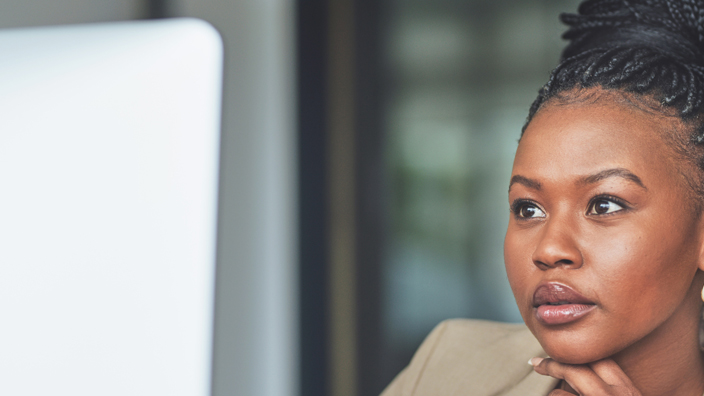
{"x": 610, "y": 372}
{"x": 560, "y": 392}
{"x": 580, "y": 377}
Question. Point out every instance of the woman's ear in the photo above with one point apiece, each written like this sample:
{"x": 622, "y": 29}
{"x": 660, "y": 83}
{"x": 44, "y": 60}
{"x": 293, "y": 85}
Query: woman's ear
{"x": 700, "y": 232}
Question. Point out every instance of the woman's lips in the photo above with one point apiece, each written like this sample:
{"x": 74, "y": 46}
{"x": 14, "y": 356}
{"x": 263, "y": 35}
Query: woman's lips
{"x": 557, "y": 304}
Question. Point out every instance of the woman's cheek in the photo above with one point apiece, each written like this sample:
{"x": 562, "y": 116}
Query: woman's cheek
{"x": 512, "y": 250}
{"x": 517, "y": 257}
{"x": 633, "y": 276}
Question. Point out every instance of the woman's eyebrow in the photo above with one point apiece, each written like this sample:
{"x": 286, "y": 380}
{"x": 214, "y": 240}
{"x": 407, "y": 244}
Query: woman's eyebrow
{"x": 615, "y": 172}
{"x": 530, "y": 183}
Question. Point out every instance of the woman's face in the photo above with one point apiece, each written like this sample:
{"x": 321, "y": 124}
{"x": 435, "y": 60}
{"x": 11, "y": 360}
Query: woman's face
{"x": 602, "y": 246}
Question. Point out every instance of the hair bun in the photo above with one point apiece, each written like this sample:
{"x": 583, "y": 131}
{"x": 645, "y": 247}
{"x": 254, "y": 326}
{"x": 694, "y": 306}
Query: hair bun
{"x": 675, "y": 27}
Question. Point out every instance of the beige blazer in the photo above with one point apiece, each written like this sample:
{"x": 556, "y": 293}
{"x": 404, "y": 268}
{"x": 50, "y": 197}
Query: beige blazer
{"x": 473, "y": 358}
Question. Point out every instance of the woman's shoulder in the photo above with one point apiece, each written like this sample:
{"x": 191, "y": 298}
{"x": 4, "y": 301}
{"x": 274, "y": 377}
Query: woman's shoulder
{"x": 473, "y": 357}
{"x": 482, "y": 332}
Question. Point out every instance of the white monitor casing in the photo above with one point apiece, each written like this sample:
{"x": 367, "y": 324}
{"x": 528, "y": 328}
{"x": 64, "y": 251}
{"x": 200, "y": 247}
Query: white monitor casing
{"x": 109, "y": 147}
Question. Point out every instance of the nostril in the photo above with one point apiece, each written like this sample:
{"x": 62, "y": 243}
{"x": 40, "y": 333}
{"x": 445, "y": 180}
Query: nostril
{"x": 557, "y": 248}
{"x": 544, "y": 265}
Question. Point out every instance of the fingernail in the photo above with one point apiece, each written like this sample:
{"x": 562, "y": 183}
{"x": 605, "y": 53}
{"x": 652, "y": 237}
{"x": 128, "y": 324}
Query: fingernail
{"x": 535, "y": 361}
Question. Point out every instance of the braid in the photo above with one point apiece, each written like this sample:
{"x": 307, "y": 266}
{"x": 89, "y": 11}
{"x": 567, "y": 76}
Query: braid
{"x": 652, "y": 48}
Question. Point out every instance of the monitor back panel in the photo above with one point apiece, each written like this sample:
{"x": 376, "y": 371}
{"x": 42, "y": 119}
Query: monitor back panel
{"x": 109, "y": 142}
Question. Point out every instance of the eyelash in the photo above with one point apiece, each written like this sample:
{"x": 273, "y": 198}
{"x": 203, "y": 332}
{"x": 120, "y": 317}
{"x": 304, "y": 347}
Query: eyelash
{"x": 618, "y": 201}
{"x": 518, "y": 204}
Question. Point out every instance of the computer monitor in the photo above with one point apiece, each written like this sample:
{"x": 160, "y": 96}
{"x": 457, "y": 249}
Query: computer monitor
{"x": 109, "y": 146}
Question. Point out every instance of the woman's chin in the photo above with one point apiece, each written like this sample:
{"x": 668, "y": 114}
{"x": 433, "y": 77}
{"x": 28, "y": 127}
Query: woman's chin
{"x": 573, "y": 353}
{"x": 573, "y": 357}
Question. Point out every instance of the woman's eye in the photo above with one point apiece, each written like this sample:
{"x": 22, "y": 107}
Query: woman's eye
{"x": 603, "y": 206}
{"x": 529, "y": 211}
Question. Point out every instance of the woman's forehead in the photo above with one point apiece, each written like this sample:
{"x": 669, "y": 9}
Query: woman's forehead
{"x": 581, "y": 138}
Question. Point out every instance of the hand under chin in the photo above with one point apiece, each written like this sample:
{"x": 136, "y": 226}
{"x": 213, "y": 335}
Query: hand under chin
{"x": 563, "y": 385}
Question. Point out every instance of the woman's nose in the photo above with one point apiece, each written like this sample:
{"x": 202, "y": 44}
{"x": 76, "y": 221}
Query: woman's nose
{"x": 556, "y": 247}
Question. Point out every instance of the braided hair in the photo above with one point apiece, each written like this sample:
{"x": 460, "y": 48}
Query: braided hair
{"x": 648, "y": 48}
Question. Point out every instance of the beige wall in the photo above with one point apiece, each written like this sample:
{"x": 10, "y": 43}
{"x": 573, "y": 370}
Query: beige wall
{"x": 256, "y": 325}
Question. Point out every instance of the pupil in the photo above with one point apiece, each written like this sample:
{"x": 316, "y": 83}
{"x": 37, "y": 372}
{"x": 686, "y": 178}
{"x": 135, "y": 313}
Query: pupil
{"x": 527, "y": 211}
{"x": 602, "y": 207}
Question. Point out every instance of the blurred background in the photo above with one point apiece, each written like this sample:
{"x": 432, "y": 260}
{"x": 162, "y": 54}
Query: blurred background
{"x": 382, "y": 134}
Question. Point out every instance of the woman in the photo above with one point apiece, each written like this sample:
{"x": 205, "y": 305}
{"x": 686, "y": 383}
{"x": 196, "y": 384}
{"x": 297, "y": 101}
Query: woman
{"x": 605, "y": 246}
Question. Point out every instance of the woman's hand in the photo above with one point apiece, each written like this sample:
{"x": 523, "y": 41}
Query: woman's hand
{"x": 600, "y": 378}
